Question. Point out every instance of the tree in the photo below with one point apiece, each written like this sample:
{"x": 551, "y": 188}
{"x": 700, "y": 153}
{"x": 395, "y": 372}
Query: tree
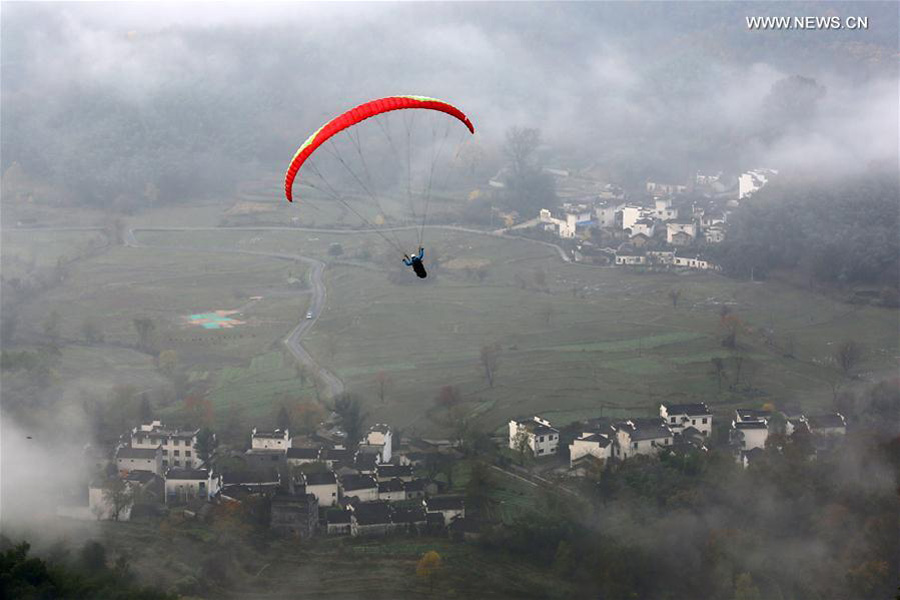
{"x": 490, "y": 361}
{"x": 847, "y": 356}
{"x": 199, "y": 408}
{"x": 478, "y": 490}
{"x": 383, "y": 381}
{"x": 307, "y": 416}
{"x": 674, "y": 295}
{"x": 93, "y": 557}
{"x": 521, "y": 446}
{"x": 744, "y": 589}
{"x": 91, "y": 330}
{"x": 335, "y": 249}
{"x": 145, "y": 328}
{"x": 540, "y": 278}
{"x": 145, "y": 409}
{"x": 52, "y": 325}
{"x": 428, "y": 568}
{"x": 521, "y": 142}
{"x": 731, "y": 325}
{"x": 448, "y": 397}
{"x": 718, "y": 370}
{"x": 206, "y": 444}
{"x": 349, "y": 409}
{"x": 167, "y": 362}
{"x": 283, "y": 420}
{"x": 118, "y": 495}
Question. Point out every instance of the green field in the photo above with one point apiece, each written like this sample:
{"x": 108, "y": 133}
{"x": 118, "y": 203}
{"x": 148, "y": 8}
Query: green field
{"x": 617, "y": 345}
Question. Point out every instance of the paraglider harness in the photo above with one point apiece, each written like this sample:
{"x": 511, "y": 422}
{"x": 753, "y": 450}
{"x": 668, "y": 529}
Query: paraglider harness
{"x": 416, "y": 263}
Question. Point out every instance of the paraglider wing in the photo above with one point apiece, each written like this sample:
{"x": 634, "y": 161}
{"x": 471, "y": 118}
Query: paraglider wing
{"x": 361, "y": 113}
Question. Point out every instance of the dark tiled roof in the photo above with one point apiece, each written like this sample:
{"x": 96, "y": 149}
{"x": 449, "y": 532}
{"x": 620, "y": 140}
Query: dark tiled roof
{"x": 687, "y": 409}
{"x": 411, "y": 514}
{"x": 358, "y": 482}
{"x": 394, "y": 471}
{"x": 333, "y": 454}
{"x": 372, "y": 513}
{"x": 597, "y": 438}
{"x": 394, "y": 485}
{"x": 303, "y": 453}
{"x": 338, "y": 517}
{"x": 323, "y": 478}
{"x": 445, "y": 503}
{"x": 645, "y": 429}
{"x": 820, "y": 421}
{"x": 193, "y": 474}
{"x": 752, "y": 413}
{"x": 250, "y": 477}
{"x": 416, "y": 485}
{"x": 366, "y": 461}
{"x": 751, "y": 425}
{"x": 141, "y": 476}
{"x": 144, "y": 453}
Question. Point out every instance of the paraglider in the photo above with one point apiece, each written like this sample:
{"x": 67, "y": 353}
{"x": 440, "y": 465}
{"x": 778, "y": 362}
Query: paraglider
{"x": 361, "y": 113}
{"x": 415, "y": 261}
{"x": 306, "y": 158}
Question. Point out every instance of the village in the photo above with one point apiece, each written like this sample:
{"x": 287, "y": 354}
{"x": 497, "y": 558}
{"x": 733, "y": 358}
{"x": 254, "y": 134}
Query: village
{"x": 669, "y": 226}
{"x": 321, "y": 484}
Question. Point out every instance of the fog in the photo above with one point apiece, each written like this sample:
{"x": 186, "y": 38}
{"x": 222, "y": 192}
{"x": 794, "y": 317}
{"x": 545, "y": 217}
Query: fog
{"x": 102, "y": 101}
{"x": 601, "y": 81}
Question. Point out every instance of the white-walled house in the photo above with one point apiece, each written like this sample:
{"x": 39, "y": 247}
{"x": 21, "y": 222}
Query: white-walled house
{"x": 392, "y": 491}
{"x": 645, "y": 226}
{"x": 665, "y": 188}
{"x": 714, "y": 234}
{"x": 747, "y": 435}
{"x": 681, "y": 416}
{"x": 541, "y": 437}
{"x": 179, "y": 446}
{"x": 364, "y": 487}
{"x": 630, "y": 259}
{"x": 301, "y": 456}
{"x": 323, "y": 486}
{"x": 632, "y": 213}
{"x": 642, "y": 436}
{"x": 450, "y": 507}
{"x": 693, "y": 262}
{"x": 140, "y": 459}
{"x": 605, "y": 214}
{"x": 664, "y": 210}
{"x": 829, "y": 424}
{"x": 183, "y": 485}
{"x": 597, "y": 445}
{"x": 380, "y": 436}
{"x": 675, "y": 227}
{"x": 270, "y": 440}
{"x": 563, "y": 227}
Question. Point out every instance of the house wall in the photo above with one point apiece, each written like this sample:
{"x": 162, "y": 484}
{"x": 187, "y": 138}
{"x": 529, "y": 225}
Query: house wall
{"x": 673, "y": 228}
{"x": 579, "y": 448}
{"x": 326, "y": 495}
{"x": 754, "y": 438}
{"x": 364, "y": 495}
{"x": 395, "y": 496}
{"x": 178, "y": 451}
{"x": 182, "y": 490}
{"x": 141, "y": 464}
{"x": 270, "y": 443}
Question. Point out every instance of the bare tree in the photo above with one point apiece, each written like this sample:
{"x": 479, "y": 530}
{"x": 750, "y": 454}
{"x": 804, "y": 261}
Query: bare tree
{"x": 448, "y": 397}
{"x": 718, "y": 370}
{"x": 674, "y": 295}
{"x": 521, "y": 445}
{"x": 521, "y": 142}
{"x": 847, "y": 356}
{"x": 118, "y": 495}
{"x": 383, "y": 381}
{"x": 540, "y": 279}
{"x": 490, "y": 360}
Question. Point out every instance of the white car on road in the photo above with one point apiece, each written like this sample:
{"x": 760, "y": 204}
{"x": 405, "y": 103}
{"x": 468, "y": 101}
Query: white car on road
{"x": 309, "y": 315}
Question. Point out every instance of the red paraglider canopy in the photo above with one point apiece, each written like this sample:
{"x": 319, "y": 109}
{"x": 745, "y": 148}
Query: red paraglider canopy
{"x": 361, "y": 113}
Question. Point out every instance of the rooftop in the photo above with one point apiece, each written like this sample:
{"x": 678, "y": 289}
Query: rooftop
{"x": 358, "y": 482}
{"x": 322, "y": 478}
{"x": 303, "y": 453}
{"x": 394, "y": 485}
{"x": 822, "y": 421}
{"x": 445, "y": 503}
{"x": 372, "y": 513}
{"x": 750, "y": 425}
{"x": 394, "y": 470}
{"x": 145, "y": 453}
{"x": 687, "y": 409}
{"x": 191, "y": 474}
{"x": 596, "y": 438}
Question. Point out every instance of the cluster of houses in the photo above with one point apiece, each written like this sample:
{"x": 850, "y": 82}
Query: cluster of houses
{"x": 663, "y": 228}
{"x": 678, "y": 426}
{"x": 310, "y": 483}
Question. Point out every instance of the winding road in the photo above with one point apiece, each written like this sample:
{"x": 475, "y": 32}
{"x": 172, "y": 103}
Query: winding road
{"x": 333, "y": 384}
